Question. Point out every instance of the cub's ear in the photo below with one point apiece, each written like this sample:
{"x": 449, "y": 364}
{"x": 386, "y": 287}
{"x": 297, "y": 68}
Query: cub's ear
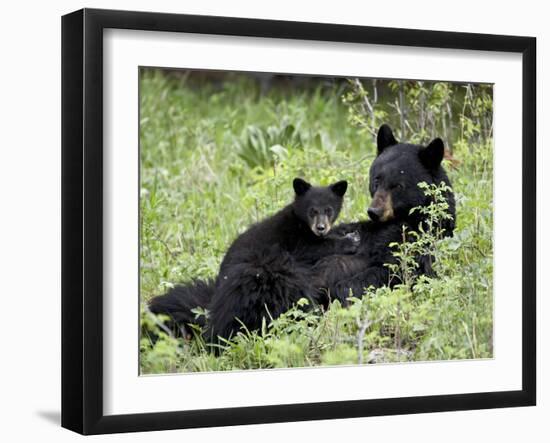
{"x": 339, "y": 188}
{"x": 432, "y": 155}
{"x": 385, "y": 138}
{"x": 300, "y": 186}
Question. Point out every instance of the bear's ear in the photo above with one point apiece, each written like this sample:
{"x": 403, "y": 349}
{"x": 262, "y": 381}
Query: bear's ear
{"x": 385, "y": 138}
{"x": 300, "y": 186}
{"x": 339, "y": 188}
{"x": 432, "y": 155}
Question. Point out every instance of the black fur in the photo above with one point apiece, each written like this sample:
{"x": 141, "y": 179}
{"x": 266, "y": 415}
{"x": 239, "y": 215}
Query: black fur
{"x": 178, "y": 302}
{"x": 259, "y": 283}
{"x": 394, "y": 178}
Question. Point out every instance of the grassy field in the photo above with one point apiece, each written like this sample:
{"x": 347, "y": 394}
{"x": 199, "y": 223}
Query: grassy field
{"x": 219, "y": 152}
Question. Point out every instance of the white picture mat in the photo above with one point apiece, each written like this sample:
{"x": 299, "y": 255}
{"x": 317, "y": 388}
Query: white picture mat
{"x": 127, "y": 392}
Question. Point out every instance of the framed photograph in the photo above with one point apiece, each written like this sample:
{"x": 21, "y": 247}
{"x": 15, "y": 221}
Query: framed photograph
{"x": 269, "y": 221}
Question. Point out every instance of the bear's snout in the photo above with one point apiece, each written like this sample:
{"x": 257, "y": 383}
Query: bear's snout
{"x": 381, "y": 209}
{"x": 320, "y": 225}
{"x": 375, "y": 213}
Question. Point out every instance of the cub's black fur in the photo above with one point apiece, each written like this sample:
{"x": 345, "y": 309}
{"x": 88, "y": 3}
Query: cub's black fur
{"x": 267, "y": 268}
{"x": 393, "y": 185}
{"x": 179, "y": 302}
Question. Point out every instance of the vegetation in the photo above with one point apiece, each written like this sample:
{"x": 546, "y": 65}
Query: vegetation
{"x": 219, "y": 152}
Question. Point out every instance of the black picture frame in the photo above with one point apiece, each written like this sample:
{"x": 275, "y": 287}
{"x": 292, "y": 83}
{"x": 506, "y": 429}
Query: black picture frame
{"x": 82, "y": 220}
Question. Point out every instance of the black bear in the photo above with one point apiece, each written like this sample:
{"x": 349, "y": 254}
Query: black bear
{"x": 393, "y": 185}
{"x": 267, "y": 268}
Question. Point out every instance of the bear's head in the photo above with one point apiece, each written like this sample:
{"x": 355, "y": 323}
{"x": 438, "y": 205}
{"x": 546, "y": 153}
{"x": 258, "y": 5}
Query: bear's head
{"x": 318, "y": 206}
{"x": 396, "y": 172}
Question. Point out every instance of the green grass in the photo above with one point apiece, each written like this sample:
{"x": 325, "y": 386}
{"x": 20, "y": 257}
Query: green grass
{"x": 217, "y": 156}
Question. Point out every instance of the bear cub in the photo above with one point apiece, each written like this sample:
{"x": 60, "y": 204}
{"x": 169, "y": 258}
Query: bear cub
{"x": 267, "y": 268}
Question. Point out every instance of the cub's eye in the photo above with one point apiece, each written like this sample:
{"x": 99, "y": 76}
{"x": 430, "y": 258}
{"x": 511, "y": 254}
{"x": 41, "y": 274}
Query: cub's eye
{"x": 328, "y": 211}
{"x": 313, "y": 212}
{"x": 398, "y": 187}
{"x": 375, "y": 183}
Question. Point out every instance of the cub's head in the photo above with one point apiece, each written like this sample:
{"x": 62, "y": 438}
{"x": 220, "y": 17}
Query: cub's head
{"x": 318, "y": 206}
{"x": 396, "y": 172}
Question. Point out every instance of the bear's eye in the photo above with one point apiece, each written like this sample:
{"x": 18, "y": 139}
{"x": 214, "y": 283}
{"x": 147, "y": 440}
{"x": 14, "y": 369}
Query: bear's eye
{"x": 375, "y": 183}
{"x": 328, "y": 211}
{"x": 313, "y": 212}
{"x": 398, "y": 187}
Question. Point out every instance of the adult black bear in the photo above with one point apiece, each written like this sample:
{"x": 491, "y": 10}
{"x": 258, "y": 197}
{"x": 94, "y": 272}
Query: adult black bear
{"x": 267, "y": 268}
{"x": 393, "y": 185}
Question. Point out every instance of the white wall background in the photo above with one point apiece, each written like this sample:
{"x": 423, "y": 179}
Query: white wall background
{"x": 30, "y": 218}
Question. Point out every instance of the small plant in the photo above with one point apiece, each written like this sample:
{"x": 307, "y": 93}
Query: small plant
{"x": 421, "y": 244}
{"x": 363, "y": 111}
{"x": 262, "y": 146}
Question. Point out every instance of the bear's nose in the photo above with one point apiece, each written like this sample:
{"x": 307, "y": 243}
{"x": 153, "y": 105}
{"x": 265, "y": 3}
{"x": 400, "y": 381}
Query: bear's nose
{"x": 320, "y": 227}
{"x": 374, "y": 213}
